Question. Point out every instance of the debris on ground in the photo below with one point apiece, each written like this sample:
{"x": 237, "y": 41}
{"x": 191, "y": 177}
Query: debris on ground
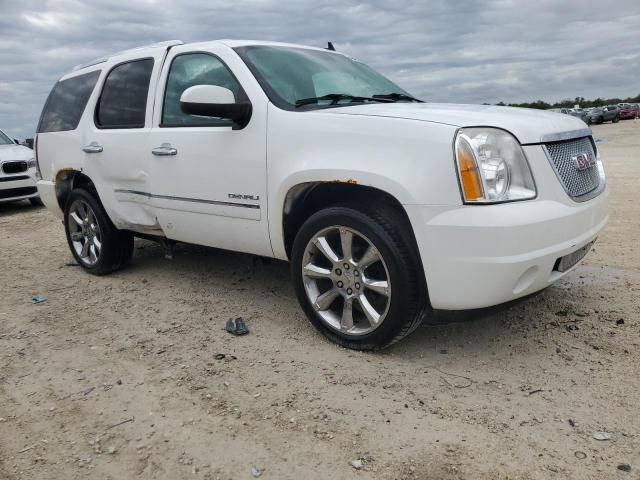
{"x": 37, "y": 299}
{"x": 236, "y": 327}
{"x": 357, "y": 463}
{"x": 602, "y": 436}
{"x": 256, "y": 472}
{"x": 620, "y": 321}
{"x": 580, "y": 455}
{"x": 625, "y": 467}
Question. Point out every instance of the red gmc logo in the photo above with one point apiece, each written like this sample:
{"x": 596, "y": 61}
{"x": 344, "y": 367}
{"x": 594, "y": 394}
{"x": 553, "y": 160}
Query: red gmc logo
{"x": 582, "y": 161}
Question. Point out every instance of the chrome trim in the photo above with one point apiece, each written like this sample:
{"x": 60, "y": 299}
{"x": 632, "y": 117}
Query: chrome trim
{"x": 186, "y": 199}
{"x": 561, "y": 136}
{"x": 93, "y": 147}
{"x": 582, "y": 198}
{"x": 165, "y": 150}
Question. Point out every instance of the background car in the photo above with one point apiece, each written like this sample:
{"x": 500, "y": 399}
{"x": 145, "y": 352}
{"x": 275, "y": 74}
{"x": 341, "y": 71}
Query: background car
{"x": 610, "y": 113}
{"x": 17, "y": 172}
{"x": 574, "y": 112}
{"x": 630, "y": 111}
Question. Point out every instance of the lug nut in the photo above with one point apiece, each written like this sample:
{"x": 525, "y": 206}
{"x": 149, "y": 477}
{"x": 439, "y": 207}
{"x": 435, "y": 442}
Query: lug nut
{"x": 356, "y": 273}
{"x": 346, "y": 266}
{"x": 340, "y": 284}
{"x": 349, "y": 291}
{"x": 357, "y": 286}
{"x": 338, "y": 271}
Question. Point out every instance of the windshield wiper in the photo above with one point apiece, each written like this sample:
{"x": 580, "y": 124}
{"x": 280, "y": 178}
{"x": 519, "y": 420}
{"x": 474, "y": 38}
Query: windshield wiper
{"x": 336, "y": 97}
{"x": 394, "y": 97}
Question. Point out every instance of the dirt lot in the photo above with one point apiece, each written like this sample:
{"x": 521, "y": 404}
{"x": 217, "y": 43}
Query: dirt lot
{"x": 117, "y": 377}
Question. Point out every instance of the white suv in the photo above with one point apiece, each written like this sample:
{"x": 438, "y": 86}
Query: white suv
{"x": 17, "y": 172}
{"x": 387, "y": 207}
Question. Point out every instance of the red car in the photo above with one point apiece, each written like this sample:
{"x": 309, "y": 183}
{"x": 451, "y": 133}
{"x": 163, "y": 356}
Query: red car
{"x": 629, "y": 111}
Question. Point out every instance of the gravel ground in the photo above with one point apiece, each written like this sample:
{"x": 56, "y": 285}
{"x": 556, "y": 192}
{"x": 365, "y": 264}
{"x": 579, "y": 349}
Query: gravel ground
{"x": 117, "y": 377}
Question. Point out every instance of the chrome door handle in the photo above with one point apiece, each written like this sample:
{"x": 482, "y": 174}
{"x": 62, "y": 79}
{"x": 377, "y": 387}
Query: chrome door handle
{"x": 93, "y": 147}
{"x": 165, "y": 150}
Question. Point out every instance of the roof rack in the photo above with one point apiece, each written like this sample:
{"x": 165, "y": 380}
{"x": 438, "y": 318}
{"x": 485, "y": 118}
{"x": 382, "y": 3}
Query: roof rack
{"x": 168, "y": 43}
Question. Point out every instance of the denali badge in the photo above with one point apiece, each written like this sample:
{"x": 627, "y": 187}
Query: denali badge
{"x": 239, "y": 196}
{"x": 582, "y": 161}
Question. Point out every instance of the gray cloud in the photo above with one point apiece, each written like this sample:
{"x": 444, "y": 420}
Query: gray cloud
{"x": 465, "y": 51}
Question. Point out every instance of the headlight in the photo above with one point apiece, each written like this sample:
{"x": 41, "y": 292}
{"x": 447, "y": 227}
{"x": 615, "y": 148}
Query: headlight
{"x": 492, "y": 167}
{"x": 31, "y": 163}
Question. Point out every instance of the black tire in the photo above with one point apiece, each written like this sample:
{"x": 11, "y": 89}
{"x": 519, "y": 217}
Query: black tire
{"x": 391, "y": 235}
{"x": 616, "y": 119}
{"x": 600, "y": 120}
{"x": 36, "y": 202}
{"x": 117, "y": 245}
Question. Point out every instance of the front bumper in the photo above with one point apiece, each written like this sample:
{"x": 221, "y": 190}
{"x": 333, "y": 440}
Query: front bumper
{"x": 17, "y": 187}
{"x": 480, "y": 256}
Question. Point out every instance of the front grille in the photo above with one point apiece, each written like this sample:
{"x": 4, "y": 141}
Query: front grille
{"x": 17, "y": 192}
{"x": 575, "y": 182}
{"x": 14, "y": 167}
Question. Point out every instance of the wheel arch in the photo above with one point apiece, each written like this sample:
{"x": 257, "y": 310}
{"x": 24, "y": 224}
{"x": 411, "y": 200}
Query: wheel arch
{"x": 304, "y": 199}
{"x": 66, "y": 180}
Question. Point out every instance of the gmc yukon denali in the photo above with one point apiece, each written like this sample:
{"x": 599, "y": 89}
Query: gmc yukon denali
{"x": 387, "y": 208}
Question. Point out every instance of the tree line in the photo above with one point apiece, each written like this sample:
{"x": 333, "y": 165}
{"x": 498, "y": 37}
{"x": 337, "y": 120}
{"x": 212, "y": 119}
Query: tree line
{"x": 568, "y": 103}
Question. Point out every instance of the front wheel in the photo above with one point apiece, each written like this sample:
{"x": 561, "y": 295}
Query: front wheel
{"x": 616, "y": 119}
{"x": 357, "y": 276}
{"x": 96, "y": 244}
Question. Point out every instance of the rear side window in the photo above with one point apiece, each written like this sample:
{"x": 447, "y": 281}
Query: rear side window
{"x": 123, "y": 101}
{"x": 67, "y": 102}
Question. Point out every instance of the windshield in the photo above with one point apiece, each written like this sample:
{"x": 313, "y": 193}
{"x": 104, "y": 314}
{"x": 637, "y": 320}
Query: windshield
{"x": 292, "y": 76}
{"x": 4, "y": 140}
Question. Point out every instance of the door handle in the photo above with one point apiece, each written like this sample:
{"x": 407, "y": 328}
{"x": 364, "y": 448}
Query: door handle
{"x": 165, "y": 150}
{"x": 93, "y": 147}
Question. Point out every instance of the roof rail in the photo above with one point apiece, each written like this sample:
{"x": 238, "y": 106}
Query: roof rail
{"x": 168, "y": 43}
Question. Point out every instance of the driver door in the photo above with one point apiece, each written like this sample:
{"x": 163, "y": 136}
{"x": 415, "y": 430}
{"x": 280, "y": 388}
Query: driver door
{"x": 208, "y": 177}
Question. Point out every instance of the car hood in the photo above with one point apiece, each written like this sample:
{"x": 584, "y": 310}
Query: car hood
{"x": 15, "y": 152}
{"x": 528, "y": 125}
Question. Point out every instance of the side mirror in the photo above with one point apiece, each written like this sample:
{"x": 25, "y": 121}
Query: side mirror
{"x": 214, "y": 101}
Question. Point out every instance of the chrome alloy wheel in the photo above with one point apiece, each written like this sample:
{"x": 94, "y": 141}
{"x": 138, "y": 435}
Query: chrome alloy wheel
{"x": 346, "y": 280}
{"x": 84, "y": 232}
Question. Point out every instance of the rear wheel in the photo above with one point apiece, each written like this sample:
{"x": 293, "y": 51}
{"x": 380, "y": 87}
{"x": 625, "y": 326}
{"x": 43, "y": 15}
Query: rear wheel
{"x": 616, "y": 119}
{"x": 357, "y": 276}
{"x": 36, "y": 202}
{"x": 96, "y": 244}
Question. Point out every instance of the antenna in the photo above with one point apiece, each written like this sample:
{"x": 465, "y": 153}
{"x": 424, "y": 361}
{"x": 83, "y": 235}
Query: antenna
{"x": 331, "y": 47}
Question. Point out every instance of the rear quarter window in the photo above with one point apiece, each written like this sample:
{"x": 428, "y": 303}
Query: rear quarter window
{"x": 67, "y": 102}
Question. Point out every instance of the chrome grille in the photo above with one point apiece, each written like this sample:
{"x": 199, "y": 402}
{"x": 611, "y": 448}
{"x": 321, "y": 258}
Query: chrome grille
{"x": 575, "y": 182}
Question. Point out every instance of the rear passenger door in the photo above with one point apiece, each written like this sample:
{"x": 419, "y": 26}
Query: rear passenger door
{"x": 209, "y": 176}
{"x": 115, "y": 144}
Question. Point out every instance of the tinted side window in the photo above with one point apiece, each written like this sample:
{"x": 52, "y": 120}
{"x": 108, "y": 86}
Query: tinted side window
{"x": 195, "y": 69}
{"x": 66, "y": 103}
{"x": 123, "y": 101}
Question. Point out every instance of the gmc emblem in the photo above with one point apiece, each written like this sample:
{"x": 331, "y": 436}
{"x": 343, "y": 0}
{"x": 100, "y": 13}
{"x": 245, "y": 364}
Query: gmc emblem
{"x": 582, "y": 161}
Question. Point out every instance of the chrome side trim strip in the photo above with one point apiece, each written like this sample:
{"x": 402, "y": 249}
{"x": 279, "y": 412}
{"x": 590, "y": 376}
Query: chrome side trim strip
{"x": 186, "y": 199}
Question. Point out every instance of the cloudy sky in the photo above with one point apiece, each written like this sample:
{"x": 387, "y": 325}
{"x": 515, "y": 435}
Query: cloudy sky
{"x": 467, "y": 51}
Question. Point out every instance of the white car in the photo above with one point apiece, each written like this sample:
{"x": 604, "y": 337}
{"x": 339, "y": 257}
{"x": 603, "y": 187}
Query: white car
{"x": 17, "y": 172}
{"x": 387, "y": 207}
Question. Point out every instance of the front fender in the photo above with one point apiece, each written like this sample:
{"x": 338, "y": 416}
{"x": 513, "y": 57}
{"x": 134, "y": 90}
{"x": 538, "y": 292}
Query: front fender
{"x": 407, "y": 159}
